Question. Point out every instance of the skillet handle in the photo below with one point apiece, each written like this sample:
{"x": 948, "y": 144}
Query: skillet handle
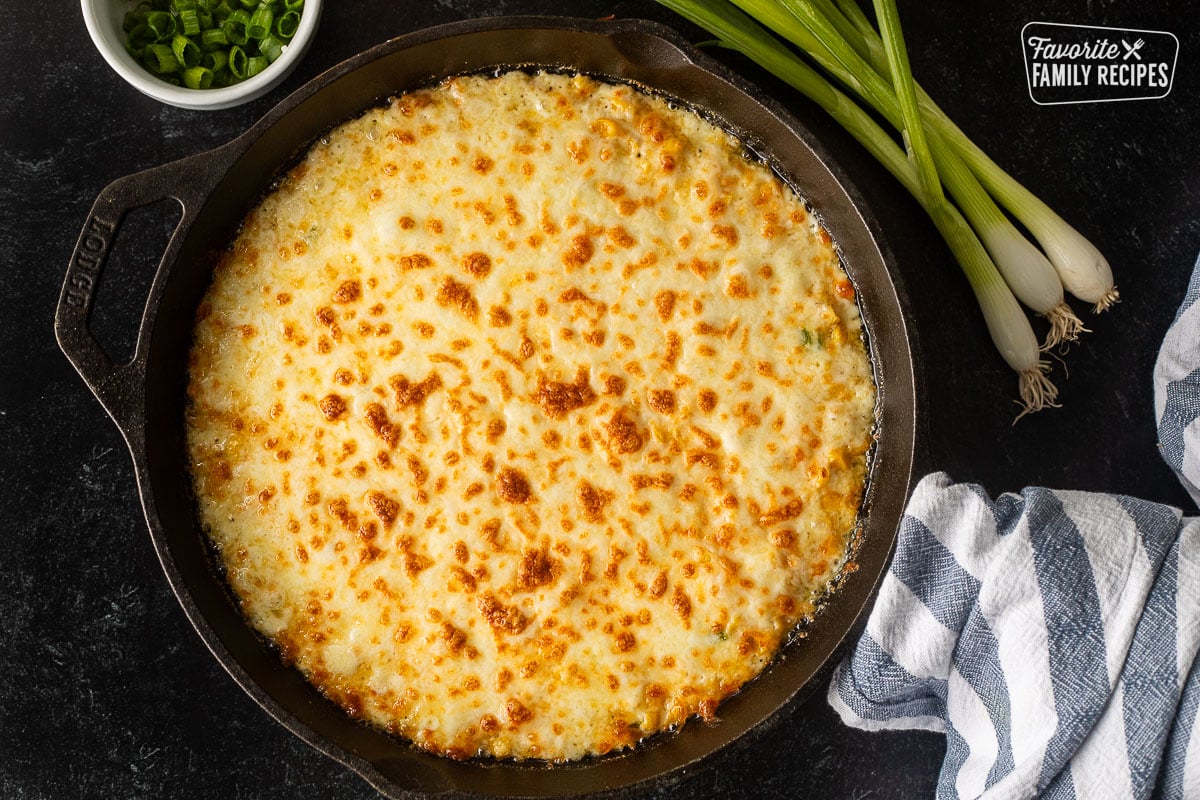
{"x": 120, "y": 388}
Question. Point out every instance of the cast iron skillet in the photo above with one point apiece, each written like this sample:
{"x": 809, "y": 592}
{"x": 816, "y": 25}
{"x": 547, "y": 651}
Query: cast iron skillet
{"x": 215, "y": 189}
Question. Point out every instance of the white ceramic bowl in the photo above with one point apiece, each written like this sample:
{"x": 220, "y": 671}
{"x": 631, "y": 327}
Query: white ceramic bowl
{"x": 104, "y": 18}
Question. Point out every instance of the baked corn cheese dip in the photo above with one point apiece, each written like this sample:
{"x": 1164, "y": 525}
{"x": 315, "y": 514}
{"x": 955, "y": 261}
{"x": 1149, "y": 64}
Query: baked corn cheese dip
{"x": 529, "y": 416}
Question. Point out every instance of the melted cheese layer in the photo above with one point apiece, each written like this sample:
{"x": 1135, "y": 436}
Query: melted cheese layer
{"x": 529, "y": 416}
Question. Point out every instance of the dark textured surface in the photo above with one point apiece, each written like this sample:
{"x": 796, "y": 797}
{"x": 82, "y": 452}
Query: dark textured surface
{"x": 107, "y": 692}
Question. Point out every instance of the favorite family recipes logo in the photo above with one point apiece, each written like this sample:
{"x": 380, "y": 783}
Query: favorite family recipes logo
{"x": 1083, "y": 64}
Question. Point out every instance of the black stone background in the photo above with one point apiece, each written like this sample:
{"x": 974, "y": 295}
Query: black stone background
{"x": 105, "y": 690}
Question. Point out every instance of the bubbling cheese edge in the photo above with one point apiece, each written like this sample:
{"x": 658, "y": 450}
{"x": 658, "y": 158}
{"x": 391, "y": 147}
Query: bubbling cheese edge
{"x": 529, "y": 416}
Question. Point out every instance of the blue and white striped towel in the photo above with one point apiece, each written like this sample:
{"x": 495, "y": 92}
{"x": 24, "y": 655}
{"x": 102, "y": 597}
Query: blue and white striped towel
{"x": 1052, "y": 636}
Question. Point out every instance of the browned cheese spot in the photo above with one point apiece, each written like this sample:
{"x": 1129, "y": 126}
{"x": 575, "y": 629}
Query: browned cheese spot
{"x": 414, "y": 261}
{"x": 414, "y": 394}
{"x": 452, "y": 294}
{"x": 751, "y": 642}
{"x": 615, "y": 556}
{"x": 415, "y": 563}
{"x": 662, "y": 480}
{"x": 512, "y": 486}
{"x": 536, "y": 569}
{"x": 674, "y": 349}
{"x": 578, "y": 151}
{"x": 707, "y": 400}
{"x": 738, "y": 288}
{"x": 383, "y": 507}
{"x": 620, "y": 237}
{"x": 579, "y": 252}
{"x": 495, "y": 429}
{"x": 662, "y": 401}
{"x": 486, "y": 214}
{"x": 490, "y": 532}
{"x": 461, "y": 553}
{"x": 339, "y": 509}
{"x": 482, "y": 164}
{"x": 220, "y": 472}
{"x": 659, "y": 587}
{"x": 576, "y": 295}
{"x": 419, "y": 472}
{"x": 682, "y": 605}
{"x": 516, "y": 713}
{"x": 622, "y": 434}
{"x": 348, "y": 292}
{"x": 556, "y": 399}
{"x": 783, "y": 538}
{"x": 333, "y": 407}
{"x": 478, "y": 265}
{"x": 502, "y": 618}
{"x": 726, "y": 233}
{"x": 790, "y": 510}
{"x": 592, "y": 501}
{"x": 701, "y": 268}
{"x": 368, "y": 531}
{"x": 664, "y": 301}
{"x": 511, "y": 214}
{"x": 466, "y": 580}
{"x": 654, "y": 128}
{"x": 377, "y": 420}
{"x": 325, "y": 315}
{"x": 626, "y": 642}
{"x": 498, "y": 317}
{"x": 454, "y": 638}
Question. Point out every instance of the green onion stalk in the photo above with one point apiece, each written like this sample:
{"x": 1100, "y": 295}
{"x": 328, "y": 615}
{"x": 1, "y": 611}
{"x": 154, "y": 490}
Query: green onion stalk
{"x": 1030, "y": 274}
{"x": 1006, "y": 322}
{"x": 1080, "y": 266}
{"x": 1000, "y": 309}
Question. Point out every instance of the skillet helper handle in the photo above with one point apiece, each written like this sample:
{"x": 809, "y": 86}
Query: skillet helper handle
{"x": 120, "y": 388}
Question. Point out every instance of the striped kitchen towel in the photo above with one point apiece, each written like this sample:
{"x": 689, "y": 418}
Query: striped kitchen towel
{"x": 1177, "y": 390}
{"x": 1052, "y": 636}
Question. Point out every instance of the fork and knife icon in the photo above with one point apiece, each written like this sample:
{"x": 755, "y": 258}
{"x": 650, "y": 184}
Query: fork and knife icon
{"x": 1132, "y": 49}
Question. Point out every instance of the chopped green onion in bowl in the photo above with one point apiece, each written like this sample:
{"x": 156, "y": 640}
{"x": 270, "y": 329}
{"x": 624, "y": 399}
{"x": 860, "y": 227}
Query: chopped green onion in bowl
{"x": 202, "y": 44}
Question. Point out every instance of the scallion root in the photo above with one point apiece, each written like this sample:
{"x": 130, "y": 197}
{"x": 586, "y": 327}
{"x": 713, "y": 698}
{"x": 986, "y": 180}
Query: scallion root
{"x": 1065, "y": 327}
{"x": 1110, "y": 299}
{"x": 1037, "y": 390}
